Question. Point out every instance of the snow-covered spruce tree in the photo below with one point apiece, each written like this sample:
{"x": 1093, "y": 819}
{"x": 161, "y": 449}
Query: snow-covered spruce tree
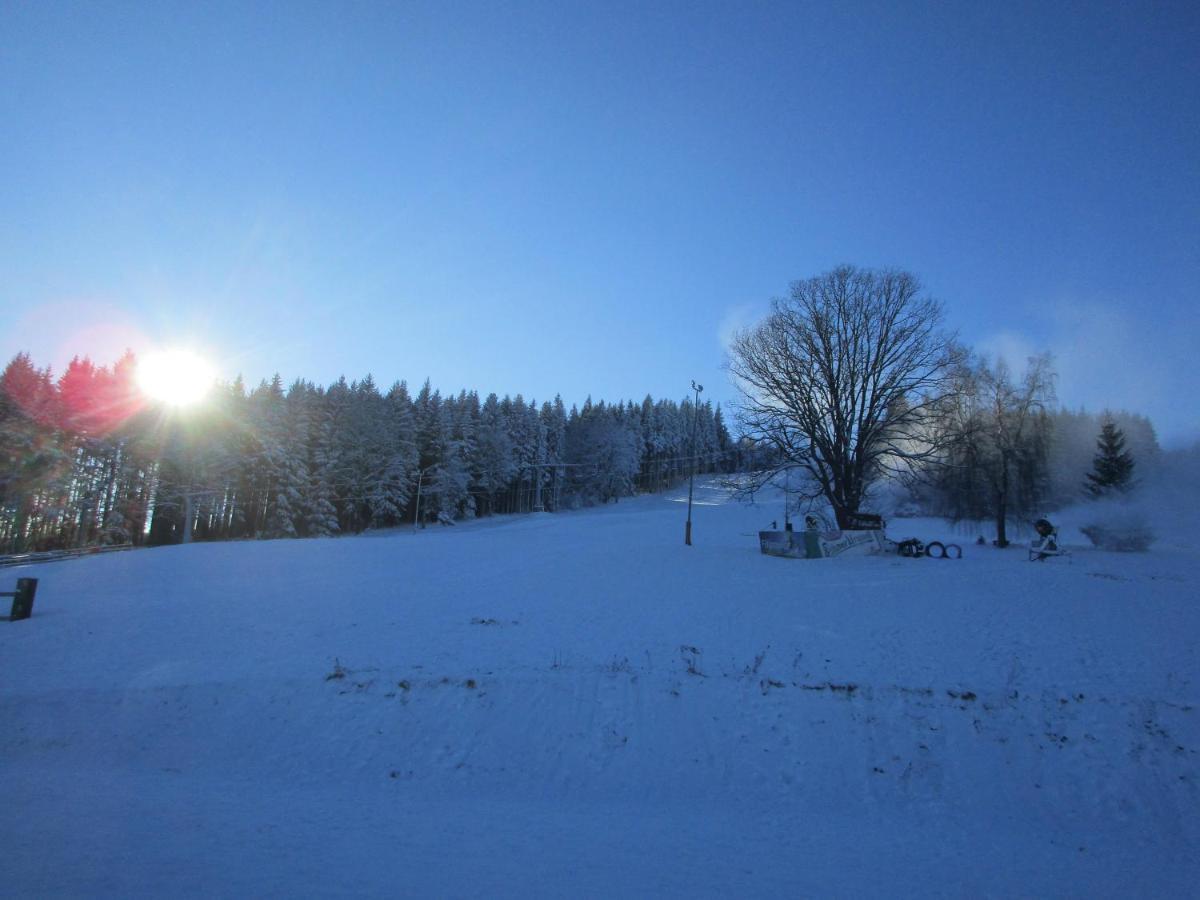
{"x": 240, "y": 451}
{"x": 724, "y": 457}
{"x": 1073, "y": 447}
{"x": 213, "y": 461}
{"x": 388, "y": 453}
{"x": 174, "y": 480}
{"x": 652, "y": 442}
{"x": 84, "y": 432}
{"x": 356, "y": 436}
{"x": 449, "y": 496}
{"x": 284, "y": 466}
{"x": 320, "y": 511}
{"x": 604, "y": 451}
{"x": 126, "y": 505}
{"x": 495, "y": 463}
{"x": 34, "y": 464}
{"x": 554, "y": 433}
{"x": 397, "y": 459}
{"x": 524, "y": 431}
{"x": 512, "y": 415}
{"x": 1112, "y": 467}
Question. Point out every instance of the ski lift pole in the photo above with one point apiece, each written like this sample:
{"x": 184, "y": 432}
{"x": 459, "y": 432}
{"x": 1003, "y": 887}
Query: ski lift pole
{"x": 787, "y": 498}
{"x": 417, "y": 511}
{"x": 687, "y": 533}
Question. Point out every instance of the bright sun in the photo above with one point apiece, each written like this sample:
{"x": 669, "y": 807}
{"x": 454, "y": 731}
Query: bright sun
{"x": 175, "y": 376}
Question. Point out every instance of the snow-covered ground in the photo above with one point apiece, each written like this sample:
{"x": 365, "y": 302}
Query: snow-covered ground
{"x": 580, "y": 705}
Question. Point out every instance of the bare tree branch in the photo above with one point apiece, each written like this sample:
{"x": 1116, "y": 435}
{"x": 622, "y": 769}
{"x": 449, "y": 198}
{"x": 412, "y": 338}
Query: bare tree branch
{"x": 845, "y": 379}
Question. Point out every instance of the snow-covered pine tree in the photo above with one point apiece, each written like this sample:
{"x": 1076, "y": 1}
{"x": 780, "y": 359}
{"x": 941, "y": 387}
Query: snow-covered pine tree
{"x": 605, "y": 451}
{"x": 125, "y": 507}
{"x": 398, "y": 457}
{"x": 427, "y": 415}
{"x": 33, "y": 462}
{"x": 309, "y": 441}
{"x": 384, "y": 475}
{"x": 523, "y": 432}
{"x": 242, "y": 448}
{"x": 285, "y": 467}
{"x": 450, "y": 497}
{"x": 495, "y": 465}
{"x": 354, "y": 438}
{"x": 554, "y": 426}
{"x": 320, "y": 509}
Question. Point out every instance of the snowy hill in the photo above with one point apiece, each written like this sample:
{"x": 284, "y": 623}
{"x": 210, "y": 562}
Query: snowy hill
{"x": 579, "y": 704}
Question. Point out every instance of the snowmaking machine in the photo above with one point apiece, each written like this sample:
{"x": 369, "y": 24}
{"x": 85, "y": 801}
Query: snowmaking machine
{"x": 1046, "y": 543}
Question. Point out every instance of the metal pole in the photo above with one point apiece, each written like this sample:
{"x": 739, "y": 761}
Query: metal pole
{"x": 687, "y": 532}
{"x": 537, "y": 471}
{"x": 417, "y": 511}
{"x": 787, "y": 496}
{"x": 187, "y": 518}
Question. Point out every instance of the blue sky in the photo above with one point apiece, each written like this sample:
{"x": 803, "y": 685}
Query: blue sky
{"x": 588, "y": 197}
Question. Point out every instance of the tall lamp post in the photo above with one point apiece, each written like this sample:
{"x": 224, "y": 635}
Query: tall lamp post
{"x": 687, "y": 532}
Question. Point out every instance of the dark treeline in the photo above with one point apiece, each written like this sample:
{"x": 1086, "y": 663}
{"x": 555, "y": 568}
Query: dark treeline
{"x": 86, "y": 461}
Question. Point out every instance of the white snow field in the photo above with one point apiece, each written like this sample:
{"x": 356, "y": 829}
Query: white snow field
{"x": 579, "y": 705}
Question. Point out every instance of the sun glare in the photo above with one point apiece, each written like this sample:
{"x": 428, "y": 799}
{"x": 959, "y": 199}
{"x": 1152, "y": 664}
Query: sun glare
{"x": 176, "y": 377}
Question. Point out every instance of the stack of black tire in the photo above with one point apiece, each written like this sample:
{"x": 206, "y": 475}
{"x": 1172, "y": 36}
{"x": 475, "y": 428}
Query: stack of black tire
{"x": 914, "y": 549}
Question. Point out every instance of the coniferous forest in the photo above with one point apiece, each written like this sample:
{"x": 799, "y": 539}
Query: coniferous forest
{"x": 87, "y": 461}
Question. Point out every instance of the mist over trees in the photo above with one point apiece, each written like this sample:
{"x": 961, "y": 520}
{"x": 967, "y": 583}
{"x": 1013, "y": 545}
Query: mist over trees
{"x": 1009, "y": 455}
{"x": 86, "y": 461}
{"x": 996, "y": 441}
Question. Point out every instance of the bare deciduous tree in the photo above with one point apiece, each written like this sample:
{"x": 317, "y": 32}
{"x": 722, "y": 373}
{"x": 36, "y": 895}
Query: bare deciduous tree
{"x": 997, "y": 436}
{"x": 843, "y": 379}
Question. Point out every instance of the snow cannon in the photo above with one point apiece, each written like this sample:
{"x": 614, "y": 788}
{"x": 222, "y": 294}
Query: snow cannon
{"x": 1046, "y": 543}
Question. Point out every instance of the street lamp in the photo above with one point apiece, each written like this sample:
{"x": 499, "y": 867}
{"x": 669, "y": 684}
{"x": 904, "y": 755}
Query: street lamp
{"x": 687, "y": 533}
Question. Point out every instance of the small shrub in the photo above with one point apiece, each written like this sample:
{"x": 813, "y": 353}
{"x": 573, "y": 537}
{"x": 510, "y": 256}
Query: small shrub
{"x": 1127, "y": 537}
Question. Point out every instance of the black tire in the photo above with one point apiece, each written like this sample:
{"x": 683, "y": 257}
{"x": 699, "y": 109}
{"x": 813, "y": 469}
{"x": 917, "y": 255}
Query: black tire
{"x": 938, "y": 553}
{"x": 953, "y": 551}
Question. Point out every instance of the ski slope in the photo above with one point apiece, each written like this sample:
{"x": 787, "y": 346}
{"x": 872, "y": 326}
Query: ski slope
{"x": 578, "y": 704}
